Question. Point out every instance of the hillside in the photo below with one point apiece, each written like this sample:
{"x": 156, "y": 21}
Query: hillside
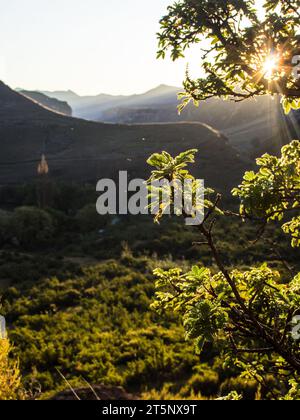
{"x": 253, "y": 127}
{"x": 52, "y": 104}
{"x": 16, "y": 108}
{"x": 84, "y": 151}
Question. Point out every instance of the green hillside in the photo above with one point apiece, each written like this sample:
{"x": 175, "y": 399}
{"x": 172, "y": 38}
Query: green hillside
{"x": 82, "y": 151}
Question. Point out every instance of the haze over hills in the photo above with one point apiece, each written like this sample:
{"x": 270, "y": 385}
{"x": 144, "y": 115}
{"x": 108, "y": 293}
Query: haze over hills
{"x": 53, "y": 104}
{"x": 253, "y": 127}
{"x": 83, "y": 151}
{"x": 94, "y": 107}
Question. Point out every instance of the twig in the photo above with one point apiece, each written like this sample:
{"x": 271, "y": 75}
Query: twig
{"x": 69, "y": 385}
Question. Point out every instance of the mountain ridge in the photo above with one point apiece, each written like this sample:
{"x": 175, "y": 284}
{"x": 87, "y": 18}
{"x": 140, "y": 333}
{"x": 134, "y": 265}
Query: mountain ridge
{"x": 52, "y": 104}
{"x": 84, "y": 151}
{"x": 253, "y": 127}
{"x": 91, "y": 107}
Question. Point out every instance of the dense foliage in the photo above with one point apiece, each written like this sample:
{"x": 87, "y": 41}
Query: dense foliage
{"x": 9, "y": 373}
{"x": 79, "y": 304}
{"x": 98, "y": 327}
{"x": 245, "y": 53}
{"x": 247, "y": 314}
{"x": 274, "y": 191}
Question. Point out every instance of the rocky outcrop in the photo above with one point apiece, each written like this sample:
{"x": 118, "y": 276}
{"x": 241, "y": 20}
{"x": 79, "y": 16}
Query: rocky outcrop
{"x": 50, "y": 103}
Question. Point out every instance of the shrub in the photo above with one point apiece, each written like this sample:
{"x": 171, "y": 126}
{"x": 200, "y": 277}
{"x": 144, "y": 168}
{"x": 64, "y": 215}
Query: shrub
{"x": 32, "y": 227}
{"x": 246, "y": 387}
{"x": 9, "y": 374}
{"x": 5, "y": 219}
{"x": 89, "y": 220}
{"x": 204, "y": 382}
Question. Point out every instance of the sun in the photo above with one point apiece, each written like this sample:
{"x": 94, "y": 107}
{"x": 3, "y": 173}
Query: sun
{"x": 270, "y": 66}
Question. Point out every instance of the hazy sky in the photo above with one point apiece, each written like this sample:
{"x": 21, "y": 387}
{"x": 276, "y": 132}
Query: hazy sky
{"x": 88, "y": 46}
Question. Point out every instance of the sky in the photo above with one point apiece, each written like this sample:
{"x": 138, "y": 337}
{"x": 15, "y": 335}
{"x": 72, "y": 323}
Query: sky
{"x": 90, "y": 46}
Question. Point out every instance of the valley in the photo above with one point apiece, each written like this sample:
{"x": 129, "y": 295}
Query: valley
{"x": 83, "y": 151}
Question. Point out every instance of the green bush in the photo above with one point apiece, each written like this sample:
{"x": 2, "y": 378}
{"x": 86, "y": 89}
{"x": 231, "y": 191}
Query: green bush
{"x": 89, "y": 220}
{"x": 245, "y": 387}
{"x": 5, "y": 224}
{"x": 10, "y": 380}
{"x": 204, "y": 382}
{"x": 32, "y": 227}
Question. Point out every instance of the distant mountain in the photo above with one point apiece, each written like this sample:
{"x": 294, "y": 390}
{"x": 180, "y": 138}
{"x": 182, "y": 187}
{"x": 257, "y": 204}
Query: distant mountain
{"x": 53, "y": 104}
{"x": 83, "y": 151}
{"x": 64, "y": 96}
{"x": 253, "y": 126}
{"x": 93, "y": 107}
{"x": 87, "y": 107}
